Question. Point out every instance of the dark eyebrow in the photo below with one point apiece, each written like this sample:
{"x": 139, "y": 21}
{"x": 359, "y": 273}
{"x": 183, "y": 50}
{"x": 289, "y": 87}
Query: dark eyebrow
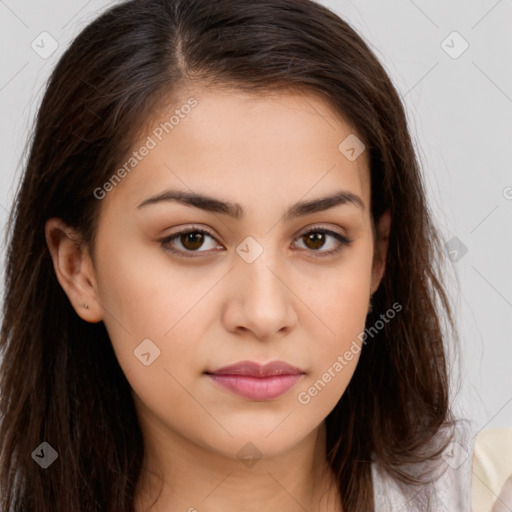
{"x": 235, "y": 210}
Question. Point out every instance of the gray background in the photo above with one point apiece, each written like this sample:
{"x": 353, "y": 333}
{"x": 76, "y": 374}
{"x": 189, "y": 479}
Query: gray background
{"x": 460, "y": 114}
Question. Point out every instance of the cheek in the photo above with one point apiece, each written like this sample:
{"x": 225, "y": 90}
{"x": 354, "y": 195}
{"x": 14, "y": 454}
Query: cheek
{"x": 155, "y": 333}
{"x": 343, "y": 298}
{"x": 342, "y": 306}
{"x": 147, "y": 293}
{"x": 145, "y": 298}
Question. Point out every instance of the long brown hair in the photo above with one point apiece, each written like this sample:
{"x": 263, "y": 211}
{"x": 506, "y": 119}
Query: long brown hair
{"x": 60, "y": 380}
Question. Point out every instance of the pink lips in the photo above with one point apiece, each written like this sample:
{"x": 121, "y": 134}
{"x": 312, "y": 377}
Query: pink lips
{"x": 256, "y": 382}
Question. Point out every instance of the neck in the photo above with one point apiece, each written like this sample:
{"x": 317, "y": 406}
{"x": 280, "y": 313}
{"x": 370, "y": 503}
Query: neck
{"x": 191, "y": 478}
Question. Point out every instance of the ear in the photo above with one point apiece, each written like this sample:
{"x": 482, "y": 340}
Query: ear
{"x": 381, "y": 250}
{"x": 74, "y": 269}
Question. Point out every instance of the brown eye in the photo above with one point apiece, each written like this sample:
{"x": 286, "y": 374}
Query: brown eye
{"x": 316, "y": 239}
{"x": 192, "y": 240}
{"x": 188, "y": 242}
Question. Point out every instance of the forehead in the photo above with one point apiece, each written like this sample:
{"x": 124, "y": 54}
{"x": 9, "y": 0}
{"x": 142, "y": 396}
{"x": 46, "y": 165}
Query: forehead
{"x": 286, "y": 143}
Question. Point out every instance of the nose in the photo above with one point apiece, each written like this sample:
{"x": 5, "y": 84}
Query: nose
{"x": 260, "y": 298}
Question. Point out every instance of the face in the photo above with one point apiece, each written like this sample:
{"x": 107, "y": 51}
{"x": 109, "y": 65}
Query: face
{"x": 187, "y": 289}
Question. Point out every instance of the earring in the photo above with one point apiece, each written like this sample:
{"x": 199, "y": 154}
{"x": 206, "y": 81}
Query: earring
{"x": 86, "y": 306}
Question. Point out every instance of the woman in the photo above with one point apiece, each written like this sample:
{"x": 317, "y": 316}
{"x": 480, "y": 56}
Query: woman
{"x": 222, "y": 286}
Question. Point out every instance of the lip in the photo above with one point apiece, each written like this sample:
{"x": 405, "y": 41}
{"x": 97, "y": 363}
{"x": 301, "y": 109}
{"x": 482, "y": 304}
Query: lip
{"x": 253, "y": 369}
{"x": 255, "y": 381}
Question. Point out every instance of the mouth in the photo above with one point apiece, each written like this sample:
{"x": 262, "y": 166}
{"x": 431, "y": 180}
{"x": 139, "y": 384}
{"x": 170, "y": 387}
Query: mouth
{"x": 257, "y": 382}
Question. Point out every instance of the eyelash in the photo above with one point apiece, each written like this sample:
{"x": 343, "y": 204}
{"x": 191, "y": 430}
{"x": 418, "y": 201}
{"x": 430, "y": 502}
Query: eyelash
{"x": 165, "y": 243}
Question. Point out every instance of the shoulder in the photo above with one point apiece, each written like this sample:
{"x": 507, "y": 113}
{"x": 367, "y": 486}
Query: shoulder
{"x": 448, "y": 488}
{"x": 492, "y": 470}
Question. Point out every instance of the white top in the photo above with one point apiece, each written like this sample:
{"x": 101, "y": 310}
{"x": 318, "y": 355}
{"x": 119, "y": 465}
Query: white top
{"x": 491, "y": 488}
{"x": 449, "y": 492}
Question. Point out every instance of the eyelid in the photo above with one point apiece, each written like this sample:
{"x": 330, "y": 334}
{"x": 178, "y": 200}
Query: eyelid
{"x": 343, "y": 241}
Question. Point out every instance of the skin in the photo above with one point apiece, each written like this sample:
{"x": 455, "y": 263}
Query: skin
{"x": 291, "y": 303}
